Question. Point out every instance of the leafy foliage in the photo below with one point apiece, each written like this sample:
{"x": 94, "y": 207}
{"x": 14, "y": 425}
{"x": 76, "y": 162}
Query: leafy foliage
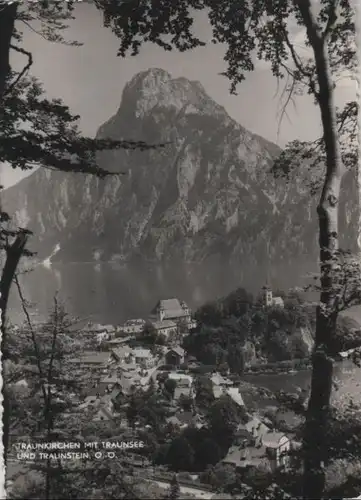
{"x": 229, "y": 330}
{"x": 36, "y": 131}
{"x": 260, "y": 30}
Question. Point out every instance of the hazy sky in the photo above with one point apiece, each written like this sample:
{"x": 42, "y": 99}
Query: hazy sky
{"x": 90, "y": 79}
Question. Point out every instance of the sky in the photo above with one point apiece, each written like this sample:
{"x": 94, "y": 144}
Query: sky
{"x": 90, "y": 80}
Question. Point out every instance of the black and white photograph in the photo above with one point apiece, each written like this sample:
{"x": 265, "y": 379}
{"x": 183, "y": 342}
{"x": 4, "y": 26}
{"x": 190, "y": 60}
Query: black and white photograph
{"x": 180, "y": 288}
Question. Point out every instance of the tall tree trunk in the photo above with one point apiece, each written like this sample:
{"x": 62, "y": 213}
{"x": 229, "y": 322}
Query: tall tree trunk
{"x": 7, "y": 22}
{"x": 13, "y": 256}
{"x": 315, "y": 445}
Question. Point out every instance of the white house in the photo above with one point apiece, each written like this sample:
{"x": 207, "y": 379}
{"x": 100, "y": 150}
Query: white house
{"x": 132, "y": 326}
{"x": 181, "y": 379}
{"x": 143, "y": 358}
{"x": 277, "y": 446}
{"x": 165, "y": 327}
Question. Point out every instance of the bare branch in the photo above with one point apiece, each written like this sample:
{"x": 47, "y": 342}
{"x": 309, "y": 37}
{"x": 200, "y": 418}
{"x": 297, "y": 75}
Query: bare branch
{"x": 298, "y": 62}
{"x": 55, "y": 333}
{"x": 24, "y": 70}
{"x": 32, "y": 332}
{"x": 289, "y": 98}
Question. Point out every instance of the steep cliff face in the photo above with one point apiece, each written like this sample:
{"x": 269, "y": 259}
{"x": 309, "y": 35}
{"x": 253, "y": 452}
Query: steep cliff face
{"x": 207, "y": 195}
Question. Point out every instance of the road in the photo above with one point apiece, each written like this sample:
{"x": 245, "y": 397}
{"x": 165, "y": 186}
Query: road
{"x": 185, "y": 490}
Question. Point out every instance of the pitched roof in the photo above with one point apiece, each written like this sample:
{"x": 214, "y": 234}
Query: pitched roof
{"x": 95, "y": 358}
{"x": 105, "y": 412}
{"x": 142, "y": 353}
{"x": 109, "y": 380}
{"x": 131, "y": 322}
{"x": 272, "y": 439}
{"x": 217, "y": 379}
{"x": 245, "y": 457}
{"x": 185, "y": 417}
{"x": 278, "y": 301}
{"x": 172, "y": 308}
{"x": 98, "y": 391}
{"x": 256, "y": 427}
{"x": 180, "y": 378}
{"x": 119, "y": 340}
{"x": 178, "y": 350}
{"x": 128, "y": 367}
{"x": 179, "y": 391}
{"x": 121, "y": 352}
{"x": 236, "y": 396}
{"x": 167, "y": 323}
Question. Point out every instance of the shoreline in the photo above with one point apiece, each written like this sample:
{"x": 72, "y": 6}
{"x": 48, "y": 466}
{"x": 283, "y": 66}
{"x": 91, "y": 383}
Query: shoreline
{"x": 281, "y": 367}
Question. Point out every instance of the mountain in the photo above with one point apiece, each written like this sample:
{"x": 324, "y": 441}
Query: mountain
{"x": 207, "y": 196}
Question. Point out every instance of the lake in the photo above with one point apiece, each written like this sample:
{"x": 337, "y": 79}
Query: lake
{"x": 346, "y": 374}
{"x": 112, "y": 293}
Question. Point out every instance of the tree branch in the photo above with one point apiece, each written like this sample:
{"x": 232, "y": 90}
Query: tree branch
{"x": 297, "y": 61}
{"x": 23, "y": 71}
{"x": 14, "y": 253}
{"x": 332, "y": 18}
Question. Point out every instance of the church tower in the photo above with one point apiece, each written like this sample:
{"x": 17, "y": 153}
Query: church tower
{"x": 161, "y": 312}
{"x": 267, "y": 296}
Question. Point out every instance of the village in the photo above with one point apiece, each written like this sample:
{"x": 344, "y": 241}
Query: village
{"x": 123, "y": 362}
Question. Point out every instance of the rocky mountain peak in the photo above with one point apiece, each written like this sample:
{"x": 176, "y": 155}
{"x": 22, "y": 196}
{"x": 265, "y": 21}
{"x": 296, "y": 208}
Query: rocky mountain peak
{"x": 208, "y": 195}
{"x": 155, "y": 88}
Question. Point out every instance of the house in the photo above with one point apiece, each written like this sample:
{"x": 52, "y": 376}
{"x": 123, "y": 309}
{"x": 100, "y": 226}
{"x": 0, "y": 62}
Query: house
{"x": 100, "y": 332}
{"x": 127, "y": 367}
{"x": 133, "y": 326}
{"x": 243, "y": 458}
{"x": 121, "y": 354}
{"x": 218, "y": 391}
{"x": 256, "y": 440}
{"x": 105, "y": 409}
{"x": 268, "y": 300}
{"x": 185, "y": 419}
{"x": 217, "y": 379}
{"x": 110, "y": 382}
{"x": 109, "y": 389}
{"x": 183, "y": 391}
{"x": 126, "y": 384}
{"x": 118, "y": 342}
{"x": 100, "y": 337}
{"x": 257, "y": 429}
{"x": 172, "y": 309}
{"x": 96, "y": 361}
{"x": 277, "y": 446}
{"x": 167, "y": 328}
{"x": 182, "y": 379}
{"x": 175, "y": 356}
{"x": 143, "y": 358}
{"x": 103, "y": 414}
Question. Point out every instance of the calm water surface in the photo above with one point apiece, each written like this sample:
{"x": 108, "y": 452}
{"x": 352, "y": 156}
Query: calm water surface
{"x": 110, "y": 294}
{"x": 347, "y": 376}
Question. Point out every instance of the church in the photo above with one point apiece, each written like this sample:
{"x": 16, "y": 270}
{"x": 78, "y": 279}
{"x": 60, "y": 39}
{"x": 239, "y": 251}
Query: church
{"x": 173, "y": 310}
{"x": 268, "y": 300}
